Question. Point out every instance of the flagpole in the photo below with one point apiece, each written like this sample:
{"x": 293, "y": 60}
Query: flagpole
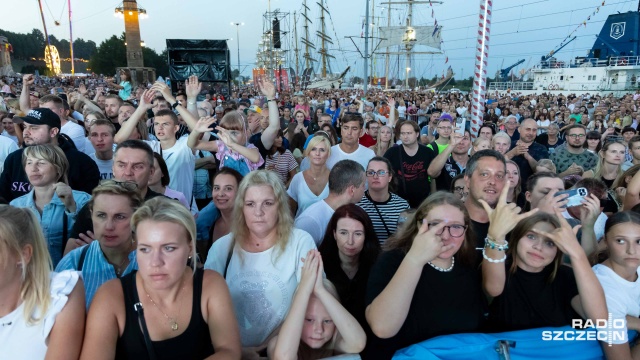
{"x": 366, "y": 49}
{"x": 480, "y": 72}
{"x": 73, "y": 69}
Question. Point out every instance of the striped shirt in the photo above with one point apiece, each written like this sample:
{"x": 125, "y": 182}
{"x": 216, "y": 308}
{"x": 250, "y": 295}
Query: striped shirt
{"x": 96, "y": 270}
{"x": 384, "y": 215}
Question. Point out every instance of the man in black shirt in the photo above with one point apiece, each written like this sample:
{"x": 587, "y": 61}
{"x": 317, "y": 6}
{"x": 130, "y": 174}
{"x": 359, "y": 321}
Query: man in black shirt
{"x": 485, "y": 177}
{"x": 410, "y": 162}
{"x": 132, "y": 162}
{"x": 526, "y": 152}
{"x": 451, "y": 162}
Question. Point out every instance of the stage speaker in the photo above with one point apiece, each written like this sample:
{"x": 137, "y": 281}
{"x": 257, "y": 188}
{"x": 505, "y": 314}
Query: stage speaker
{"x": 277, "y": 44}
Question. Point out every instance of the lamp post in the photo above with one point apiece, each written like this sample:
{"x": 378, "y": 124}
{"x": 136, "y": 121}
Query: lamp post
{"x": 406, "y": 84}
{"x": 237, "y": 24}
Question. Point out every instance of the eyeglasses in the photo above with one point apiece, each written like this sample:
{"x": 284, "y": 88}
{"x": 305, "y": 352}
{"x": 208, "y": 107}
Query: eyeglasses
{"x": 128, "y": 184}
{"x": 454, "y": 230}
{"x": 458, "y": 189}
{"x": 576, "y": 136}
{"x": 372, "y": 173}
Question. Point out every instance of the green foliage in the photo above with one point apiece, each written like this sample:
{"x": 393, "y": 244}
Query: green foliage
{"x": 159, "y": 62}
{"x": 110, "y": 54}
{"x": 31, "y": 69}
{"x": 27, "y": 46}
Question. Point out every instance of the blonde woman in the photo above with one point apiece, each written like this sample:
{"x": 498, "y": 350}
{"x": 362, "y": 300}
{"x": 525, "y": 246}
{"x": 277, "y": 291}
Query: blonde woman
{"x": 261, "y": 258}
{"x": 167, "y": 309}
{"x": 385, "y": 140}
{"x": 52, "y": 200}
{"x": 501, "y": 142}
{"x": 311, "y": 185}
{"x": 609, "y": 166}
{"x": 42, "y": 313}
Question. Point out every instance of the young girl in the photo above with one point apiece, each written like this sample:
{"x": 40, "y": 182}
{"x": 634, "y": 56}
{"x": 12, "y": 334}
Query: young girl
{"x": 480, "y": 144}
{"x": 232, "y": 149}
{"x": 317, "y": 326}
{"x": 303, "y": 104}
{"x": 281, "y": 160}
{"x": 530, "y": 286}
{"x": 618, "y": 276}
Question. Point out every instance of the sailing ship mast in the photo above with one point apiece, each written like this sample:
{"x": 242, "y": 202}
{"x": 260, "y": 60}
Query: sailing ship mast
{"x": 408, "y": 36}
{"x": 295, "y": 36}
{"x": 305, "y": 40}
{"x": 324, "y": 40}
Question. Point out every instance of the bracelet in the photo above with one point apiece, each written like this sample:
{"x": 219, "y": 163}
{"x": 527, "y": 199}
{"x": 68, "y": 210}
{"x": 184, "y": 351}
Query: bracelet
{"x": 490, "y": 243}
{"x": 190, "y": 103}
{"x": 484, "y": 255}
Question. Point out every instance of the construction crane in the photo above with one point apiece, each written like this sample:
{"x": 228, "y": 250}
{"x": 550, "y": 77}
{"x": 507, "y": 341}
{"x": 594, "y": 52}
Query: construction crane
{"x": 504, "y": 73}
{"x": 553, "y": 52}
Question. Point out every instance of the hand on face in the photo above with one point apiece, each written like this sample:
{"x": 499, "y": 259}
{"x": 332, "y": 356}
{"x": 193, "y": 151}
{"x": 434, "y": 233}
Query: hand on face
{"x": 427, "y": 245}
{"x": 505, "y": 216}
{"x": 564, "y": 237}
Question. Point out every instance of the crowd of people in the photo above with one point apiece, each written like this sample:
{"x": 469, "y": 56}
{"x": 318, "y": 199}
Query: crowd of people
{"x": 307, "y": 224}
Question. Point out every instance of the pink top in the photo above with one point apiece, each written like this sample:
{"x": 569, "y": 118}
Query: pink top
{"x": 223, "y": 151}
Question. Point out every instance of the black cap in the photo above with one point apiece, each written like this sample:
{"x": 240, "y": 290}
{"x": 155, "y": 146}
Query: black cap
{"x": 40, "y": 116}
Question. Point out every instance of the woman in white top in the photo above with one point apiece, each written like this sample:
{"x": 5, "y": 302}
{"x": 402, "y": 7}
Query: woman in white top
{"x": 402, "y": 109}
{"x": 41, "y": 312}
{"x": 311, "y": 185}
{"x": 618, "y": 276}
{"x": 260, "y": 258}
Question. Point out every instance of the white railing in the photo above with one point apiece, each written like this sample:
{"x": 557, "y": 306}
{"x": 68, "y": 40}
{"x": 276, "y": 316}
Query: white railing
{"x": 515, "y": 86}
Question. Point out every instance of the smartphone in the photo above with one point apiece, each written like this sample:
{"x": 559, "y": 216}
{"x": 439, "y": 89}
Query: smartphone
{"x": 460, "y": 125}
{"x": 575, "y": 196}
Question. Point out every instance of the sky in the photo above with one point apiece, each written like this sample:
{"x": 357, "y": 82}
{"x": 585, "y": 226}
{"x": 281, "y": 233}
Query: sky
{"x": 520, "y": 29}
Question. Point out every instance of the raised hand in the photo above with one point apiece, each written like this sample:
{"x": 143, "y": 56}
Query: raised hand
{"x": 427, "y": 245}
{"x": 505, "y": 216}
{"x": 564, "y": 237}
{"x": 146, "y": 100}
{"x": 550, "y": 202}
{"x": 204, "y": 124}
{"x": 28, "y": 79}
{"x": 65, "y": 195}
{"x": 162, "y": 88}
{"x": 319, "y": 284}
{"x": 225, "y": 137}
{"x": 589, "y": 210}
{"x": 309, "y": 272}
{"x": 192, "y": 87}
{"x": 266, "y": 87}
{"x": 82, "y": 89}
{"x": 391, "y": 101}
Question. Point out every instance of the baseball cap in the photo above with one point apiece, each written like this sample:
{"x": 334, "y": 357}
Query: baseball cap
{"x": 445, "y": 117}
{"x": 34, "y": 93}
{"x": 39, "y": 116}
{"x": 253, "y": 108}
{"x": 368, "y": 103}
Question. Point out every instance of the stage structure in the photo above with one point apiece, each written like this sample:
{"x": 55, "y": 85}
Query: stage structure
{"x": 207, "y": 59}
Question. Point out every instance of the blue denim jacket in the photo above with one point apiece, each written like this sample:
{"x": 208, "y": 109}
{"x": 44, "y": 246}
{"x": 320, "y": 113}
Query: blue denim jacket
{"x": 207, "y": 216}
{"x": 51, "y": 219}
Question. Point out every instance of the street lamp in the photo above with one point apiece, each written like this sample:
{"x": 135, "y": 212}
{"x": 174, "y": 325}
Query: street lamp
{"x": 406, "y": 84}
{"x": 237, "y": 24}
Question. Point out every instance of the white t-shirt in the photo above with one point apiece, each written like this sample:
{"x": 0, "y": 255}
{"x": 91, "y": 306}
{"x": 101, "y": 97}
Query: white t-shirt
{"x": 302, "y": 194}
{"x": 261, "y": 284}
{"x": 105, "y": 167}
{"x": 7, "y": 146}
{"x": 181, "y": 163}
{"x": 76, "y": 133}
{"x": 12, "y": 137}
{"x": 88, "y": 147}
{"x": 20, "y": 340}
{"x": 362, "y": 156}
{"x": 598, "y": 227}
{"x": 623, "y": 297}
{"x": 314, "y": 220}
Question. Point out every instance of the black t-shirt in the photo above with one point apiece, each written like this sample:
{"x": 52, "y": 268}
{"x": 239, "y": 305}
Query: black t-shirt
{"x": 351, "y": 291}
{"x": 530, "y": 301}
{"x": 411, "y": 171}
{"x": 536, "y": 151}
{"x": 450, "y": 170}
{"x": 443, "y": 303}
{"x": 543, "y": 139}
{"x": 480, "y": 230}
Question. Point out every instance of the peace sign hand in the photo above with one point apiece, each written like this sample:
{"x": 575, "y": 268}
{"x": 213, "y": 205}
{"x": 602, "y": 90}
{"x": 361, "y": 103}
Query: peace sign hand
{"x": 427, "y": 245}
{"x": 505, "y": 216}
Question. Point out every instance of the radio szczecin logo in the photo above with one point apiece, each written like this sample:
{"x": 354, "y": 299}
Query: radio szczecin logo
{"x": 605, "y": 330}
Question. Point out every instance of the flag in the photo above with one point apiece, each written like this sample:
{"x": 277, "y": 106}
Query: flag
{"x": 435, "y": 29}
{"x": 446, "y": 60}
{"x": 432, "y": 13}
{"x": 362, "y": 31}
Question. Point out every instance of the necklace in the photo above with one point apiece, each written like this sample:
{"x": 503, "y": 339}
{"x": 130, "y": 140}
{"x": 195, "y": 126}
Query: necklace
{"x": 453, "y": 262}
{"x": 173, "y": 322}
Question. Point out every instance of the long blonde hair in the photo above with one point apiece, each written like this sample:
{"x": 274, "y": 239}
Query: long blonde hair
{"x": 19, "y": 227}
{"x": 376, "y": 147}
{"x": 284, "y": 224}
{"x": 163, "y": 209}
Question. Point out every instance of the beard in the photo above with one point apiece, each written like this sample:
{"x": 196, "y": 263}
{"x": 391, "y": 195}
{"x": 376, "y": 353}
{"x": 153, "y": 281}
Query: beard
{"x": 574, "y": 146}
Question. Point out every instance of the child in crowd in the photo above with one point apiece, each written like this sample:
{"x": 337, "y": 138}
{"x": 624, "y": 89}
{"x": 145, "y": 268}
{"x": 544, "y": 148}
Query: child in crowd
{"x": 317, "y": 326}
{"x": 232, "y": 149}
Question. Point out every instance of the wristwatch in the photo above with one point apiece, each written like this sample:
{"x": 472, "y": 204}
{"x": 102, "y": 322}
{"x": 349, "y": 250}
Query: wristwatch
{"x": 175, "y": 104}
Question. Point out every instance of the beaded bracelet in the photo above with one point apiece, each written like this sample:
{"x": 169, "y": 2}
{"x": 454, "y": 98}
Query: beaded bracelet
{"x": 490, "y": 243}
{"x": 484, "y": 255}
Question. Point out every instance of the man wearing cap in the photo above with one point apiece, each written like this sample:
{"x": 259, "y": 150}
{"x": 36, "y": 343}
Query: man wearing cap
{"x": 42, "y": 126}
{"x": 444, "y": 129}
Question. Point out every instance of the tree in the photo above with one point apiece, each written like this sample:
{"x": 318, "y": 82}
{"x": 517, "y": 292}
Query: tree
{"x": 110, "y": 54}
{"x": 159, "y": 62}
